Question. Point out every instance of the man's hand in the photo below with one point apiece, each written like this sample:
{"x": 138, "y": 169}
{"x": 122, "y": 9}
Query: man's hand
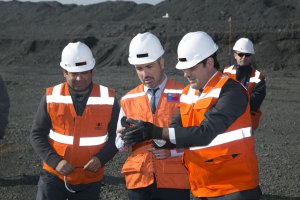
{"x": 160, "y": 153}
{"x": 64, "y": 168}
{"x": 125, "y": 125}
{"x": 140, "y": 131}
{"x": 93, "y": 165}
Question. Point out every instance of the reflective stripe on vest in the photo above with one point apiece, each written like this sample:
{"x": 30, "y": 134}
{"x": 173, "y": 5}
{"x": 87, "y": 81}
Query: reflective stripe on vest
{"x": 256, "y": 78}
{"x": 56, "y": 97}
{"x": 230, "y": 70}
{"x": 191, "y": 98}
{"x": 128, "y": 96}
{"x": 84, "y": 141}
{"x": 227, "y": 137}
{"x": 134, "y": 95}
{"x": 173, "y": 91}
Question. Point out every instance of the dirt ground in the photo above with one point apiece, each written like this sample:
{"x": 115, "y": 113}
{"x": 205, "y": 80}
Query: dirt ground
{"x": 30, "y": 55}
{"x": 277, "y": 139}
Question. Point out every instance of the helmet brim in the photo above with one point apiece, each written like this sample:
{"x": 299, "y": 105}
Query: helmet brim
{"x": 145, "y": 60}
{"x": 186, "y": 65}
{"x": 134, "y": 61}
{"x": 77, "y": 69}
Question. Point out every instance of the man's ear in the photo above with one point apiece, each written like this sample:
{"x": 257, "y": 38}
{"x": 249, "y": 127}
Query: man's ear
{"x": 162, "y": 62}
{"x": 235, "y": 56}
{"x": 210, "y": 62}
{"x": 65, "y": 73}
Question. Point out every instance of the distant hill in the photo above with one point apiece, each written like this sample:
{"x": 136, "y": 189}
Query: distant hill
{"x": 34, "y": 34}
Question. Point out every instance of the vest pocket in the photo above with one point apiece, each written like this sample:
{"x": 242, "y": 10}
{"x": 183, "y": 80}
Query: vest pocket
{"x": 185, "y": 110}
{"x": 57, "y": 114}
{"x": 220, "y": 159}
{"x": 60, "y": 148}
{"x": 134, "y": 163}
{"x": 174, "y": 166}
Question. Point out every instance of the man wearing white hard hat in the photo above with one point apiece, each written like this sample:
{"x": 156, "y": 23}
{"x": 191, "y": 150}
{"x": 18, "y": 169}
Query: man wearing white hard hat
{"x": 248, "y": 76}
{"x": 152, "y": 172}
{"x": 74, "y": 130}
{"x": 214, "y": 126}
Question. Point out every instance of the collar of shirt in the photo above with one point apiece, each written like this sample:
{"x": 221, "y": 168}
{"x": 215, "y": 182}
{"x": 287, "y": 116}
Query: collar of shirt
{"x": 158, "y": 93}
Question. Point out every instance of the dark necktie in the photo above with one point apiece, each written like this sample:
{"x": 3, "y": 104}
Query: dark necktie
{"x": 152, "y": 100}
{"x": 200, "y": 92}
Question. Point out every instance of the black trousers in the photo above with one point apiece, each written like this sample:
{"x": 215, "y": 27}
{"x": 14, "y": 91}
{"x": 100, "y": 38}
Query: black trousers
{"x": 153, "y": 193}
{"x": 51, "y": 187}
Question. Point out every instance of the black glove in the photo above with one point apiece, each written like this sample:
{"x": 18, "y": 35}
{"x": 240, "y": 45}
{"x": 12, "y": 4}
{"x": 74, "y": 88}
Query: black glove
{"x": 140, "y": 131}
{"x": 124, "y": 123}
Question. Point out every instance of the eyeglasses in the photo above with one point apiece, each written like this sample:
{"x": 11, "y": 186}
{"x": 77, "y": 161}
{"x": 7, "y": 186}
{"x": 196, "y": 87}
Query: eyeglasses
{"x": 244, "y": 54}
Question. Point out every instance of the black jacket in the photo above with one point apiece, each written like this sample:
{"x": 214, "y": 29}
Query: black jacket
{"x": 42, "y": 124}
{"x": 4, "y": 107}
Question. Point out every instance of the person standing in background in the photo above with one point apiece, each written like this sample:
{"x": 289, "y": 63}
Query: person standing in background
{"x": 4, "y": 107}
{"x": 151, "y": 172}
{"x": 248, "y": 76}
{"x": 74, "y": 130}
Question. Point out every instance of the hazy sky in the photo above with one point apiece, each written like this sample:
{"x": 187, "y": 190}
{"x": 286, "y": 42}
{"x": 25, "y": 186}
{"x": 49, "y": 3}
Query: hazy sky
{"x": 85, "y": 2}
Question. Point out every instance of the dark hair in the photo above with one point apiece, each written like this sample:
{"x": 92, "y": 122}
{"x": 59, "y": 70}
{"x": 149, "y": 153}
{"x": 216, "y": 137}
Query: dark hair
{"x": 216, "y": 62}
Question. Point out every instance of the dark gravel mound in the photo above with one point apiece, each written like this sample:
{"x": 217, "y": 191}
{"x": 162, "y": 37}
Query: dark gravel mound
{"x": 32, "y": 36}
{"x": 32, "y": 30}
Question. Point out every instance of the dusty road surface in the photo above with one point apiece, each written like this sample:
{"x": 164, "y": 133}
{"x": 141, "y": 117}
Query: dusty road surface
{"x": 277, "y": 139}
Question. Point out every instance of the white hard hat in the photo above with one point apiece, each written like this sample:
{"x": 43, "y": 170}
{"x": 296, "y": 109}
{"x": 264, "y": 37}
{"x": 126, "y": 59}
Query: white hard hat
{"x": 144, "y": 48}
{"x": 244, "y": 45}
{"x": 77, "y": 57}
{"x": 193, "y": 48}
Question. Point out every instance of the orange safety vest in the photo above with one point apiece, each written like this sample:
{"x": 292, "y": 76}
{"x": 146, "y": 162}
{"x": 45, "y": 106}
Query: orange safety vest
{"x": 255, "y": 78}
{"x": 141, "y": 165}
{"x": 228, "y": 164}
{"x": 78, "y": 138}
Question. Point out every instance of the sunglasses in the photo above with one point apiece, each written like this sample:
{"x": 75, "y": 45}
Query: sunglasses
{"x": 243, "y": 54}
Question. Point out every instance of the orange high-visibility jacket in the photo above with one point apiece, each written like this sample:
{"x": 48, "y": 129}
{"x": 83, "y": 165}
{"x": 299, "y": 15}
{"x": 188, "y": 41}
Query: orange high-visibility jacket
{"x": 78, "y": 138}
{"x": 141, "y": 165}
{"x": 228, "y": 164}
{"x": 255, "y": 77}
